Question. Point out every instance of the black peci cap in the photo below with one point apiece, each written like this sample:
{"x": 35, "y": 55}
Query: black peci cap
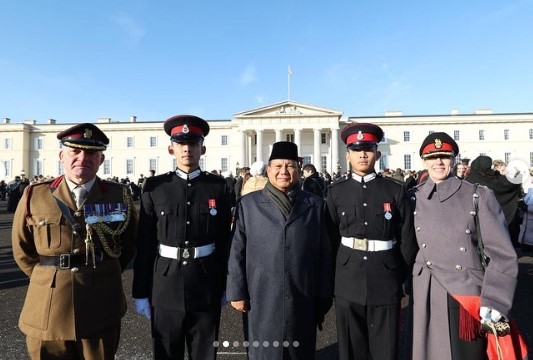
{"x": 184, "y": 128}
{"x": 361, "y": 136}
{"x": 84, "y": 136}
{"x": 284, "y": 150}
{"x": 438, "y": 143}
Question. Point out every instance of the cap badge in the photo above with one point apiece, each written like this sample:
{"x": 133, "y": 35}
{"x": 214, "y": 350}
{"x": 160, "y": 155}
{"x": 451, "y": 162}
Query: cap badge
{"x": 88, "y": 134}
{"x": 438, "y": 144}
{"x": 185, "y": 129}
{"x": 360, "y": 135}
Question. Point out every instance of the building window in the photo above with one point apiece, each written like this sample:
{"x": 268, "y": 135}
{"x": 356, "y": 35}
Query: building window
{"x": 531, "y": 159}
{"x": 152, "y": 164}
{"x": 306, "y": 160}
{"x": 323, "y": 138}
{"x": 129, "y": 142}
{"x": 324, "y": 163}
{"x": 129, "y": 166}
{"x": 289, "y": 137}
{"x": 7, "y": 165}
{"x": 107, "y": 167}
{"x": 224, "y": 164}
{"x": 255, "y": 139}
{"x": 60, "y": 168}
{"x": 38, "y": 167}
{"x": 530, "y": 134}
{"x": 456, "y": 136}
{"x": 406, "y": 136}
{"x": 383, "y": 162}
{"x": 481, "y": 135}
{"x": 7, "y": 143}
{"x": 153, "y": 141}
{"x": 507, "y": 157}
{"x": 202, "y": 163}
{"x": 506, "y": 134}
{"x": 39, "y": 143}
{"x": 224, "y": 141}
{"x": 431, "y": 132}
{"x": 407, "y": 161}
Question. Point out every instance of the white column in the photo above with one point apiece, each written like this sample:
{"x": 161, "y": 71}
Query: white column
{"x": 244, "y": 143}
{"x": 278, "y": 135}
{"x": 298, "y": 139}
{"x": 316, "y": 148}
{"x": 259, "y": 147}
{"x": 334, "y": 149}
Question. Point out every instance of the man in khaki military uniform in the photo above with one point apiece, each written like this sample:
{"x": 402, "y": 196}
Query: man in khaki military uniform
{"x": 73, "y": 237}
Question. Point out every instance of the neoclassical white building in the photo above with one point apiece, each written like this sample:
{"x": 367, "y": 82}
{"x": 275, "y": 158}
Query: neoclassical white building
{"x": 138, "y": 146}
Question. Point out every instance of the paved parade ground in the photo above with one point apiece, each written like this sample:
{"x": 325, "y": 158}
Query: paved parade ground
{"x": 135, "y": 340}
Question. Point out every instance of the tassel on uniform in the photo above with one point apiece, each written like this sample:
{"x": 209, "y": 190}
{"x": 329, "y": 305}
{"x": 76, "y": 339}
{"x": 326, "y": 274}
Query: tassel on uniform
{"x": 469, "y": 327}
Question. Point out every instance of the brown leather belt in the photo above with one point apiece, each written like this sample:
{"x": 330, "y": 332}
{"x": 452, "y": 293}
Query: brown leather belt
{"x": 69, "y": 261}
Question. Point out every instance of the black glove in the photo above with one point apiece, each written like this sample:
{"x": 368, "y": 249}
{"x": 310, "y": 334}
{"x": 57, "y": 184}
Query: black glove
{"x": 321, "y": 309}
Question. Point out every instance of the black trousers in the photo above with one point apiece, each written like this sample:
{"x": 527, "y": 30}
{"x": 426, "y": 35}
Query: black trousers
{"x": 171, "y": 330}
{"x": 461, "y": 349}
{"x": 367, "y": 332}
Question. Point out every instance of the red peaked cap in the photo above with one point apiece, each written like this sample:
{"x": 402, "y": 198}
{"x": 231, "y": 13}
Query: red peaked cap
{"x": 361, "y": 136}
{"x": 84, "y": 136}
{"x": 186, "y": 128}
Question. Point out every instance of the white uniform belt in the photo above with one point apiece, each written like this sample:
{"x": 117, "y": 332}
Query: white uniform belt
{"x": 186, "y": 253}
{"x": 367, "y": 244}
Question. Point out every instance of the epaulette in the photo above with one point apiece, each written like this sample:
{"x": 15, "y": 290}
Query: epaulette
{"x": 336, "y": 182}
{"x": 399, "y": 182}
{"x": 46, "y": 182}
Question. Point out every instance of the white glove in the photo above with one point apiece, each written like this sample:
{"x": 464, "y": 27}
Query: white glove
{"x": 142, "y": 306}
{"x": 488, "y": 314}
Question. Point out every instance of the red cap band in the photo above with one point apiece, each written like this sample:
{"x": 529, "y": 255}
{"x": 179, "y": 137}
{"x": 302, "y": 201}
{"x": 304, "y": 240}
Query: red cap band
{"x": 190, "y": 130}
{"x": 432, "y": 148}
{"x": 361, "y": 137}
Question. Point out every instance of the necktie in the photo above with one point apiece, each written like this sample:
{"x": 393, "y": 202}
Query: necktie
{"x": 80, "y": 193}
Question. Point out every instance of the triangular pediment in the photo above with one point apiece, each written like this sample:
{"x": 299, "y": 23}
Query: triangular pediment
{"x": 287, "y": 108}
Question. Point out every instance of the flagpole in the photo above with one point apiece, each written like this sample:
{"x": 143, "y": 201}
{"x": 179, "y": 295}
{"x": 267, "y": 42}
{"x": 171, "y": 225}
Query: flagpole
{"x": 289, "y": 73}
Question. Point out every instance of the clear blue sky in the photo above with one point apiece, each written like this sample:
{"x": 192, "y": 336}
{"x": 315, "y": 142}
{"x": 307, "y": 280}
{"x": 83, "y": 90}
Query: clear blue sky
{"x": 75, "y": 61}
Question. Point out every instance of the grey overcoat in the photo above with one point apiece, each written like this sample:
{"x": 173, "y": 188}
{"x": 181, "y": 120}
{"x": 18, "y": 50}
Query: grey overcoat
{"x": 282, "y": 268}
{"x": 448, "y": 262}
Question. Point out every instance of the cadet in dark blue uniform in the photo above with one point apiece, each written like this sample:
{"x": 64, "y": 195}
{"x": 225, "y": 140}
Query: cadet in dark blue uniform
{"x": 183, "y": 241}
{"x": 372, "y": 228}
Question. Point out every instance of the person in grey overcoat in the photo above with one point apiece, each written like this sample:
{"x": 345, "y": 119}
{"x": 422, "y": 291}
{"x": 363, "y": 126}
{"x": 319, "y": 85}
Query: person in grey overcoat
{"x": 452, "y": 293}
{"x": 279, "y": 271}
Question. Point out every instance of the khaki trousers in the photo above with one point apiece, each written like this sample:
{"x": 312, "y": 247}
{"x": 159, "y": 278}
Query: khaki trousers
{"x": 100, "y": 347}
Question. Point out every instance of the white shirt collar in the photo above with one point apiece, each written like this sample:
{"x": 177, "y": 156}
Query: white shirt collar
{"x": 367, "y": 177}
{"x": 189, "y": 176}
{"x": 87, "y": 186}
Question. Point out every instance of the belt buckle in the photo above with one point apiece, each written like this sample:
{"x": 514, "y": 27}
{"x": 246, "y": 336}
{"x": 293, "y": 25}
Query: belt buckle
{"x": 360, "y": 244}
{"x": 64, "y": 261}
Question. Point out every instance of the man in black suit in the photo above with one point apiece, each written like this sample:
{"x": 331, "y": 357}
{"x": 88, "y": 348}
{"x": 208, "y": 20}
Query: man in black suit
{"x": 183, "y": 239}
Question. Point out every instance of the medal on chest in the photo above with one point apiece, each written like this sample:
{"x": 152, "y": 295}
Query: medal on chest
{"x": 212, "y": 207}
{"x": 387, "y": 207}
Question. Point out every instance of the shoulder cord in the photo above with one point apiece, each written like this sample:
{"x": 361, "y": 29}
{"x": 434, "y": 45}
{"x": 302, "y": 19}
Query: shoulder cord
{"x": 102, "y": 229}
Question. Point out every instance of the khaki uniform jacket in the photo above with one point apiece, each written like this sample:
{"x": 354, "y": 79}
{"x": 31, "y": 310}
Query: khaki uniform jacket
{"x": 62, "y": 304}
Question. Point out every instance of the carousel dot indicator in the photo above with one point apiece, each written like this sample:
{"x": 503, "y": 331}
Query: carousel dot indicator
{"x": 225, "y": 343}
